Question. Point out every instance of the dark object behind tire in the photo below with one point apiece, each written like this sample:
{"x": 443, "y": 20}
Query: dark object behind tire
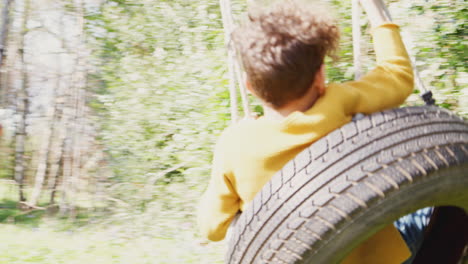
{"x": 446, "y": 237}
{"x": 346, "y": 186}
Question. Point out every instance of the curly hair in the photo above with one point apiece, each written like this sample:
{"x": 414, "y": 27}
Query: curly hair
{"x": 283, "y": 47}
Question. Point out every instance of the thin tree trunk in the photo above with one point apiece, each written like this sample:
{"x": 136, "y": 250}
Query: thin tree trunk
{"x": 42, "y": 161}
{"x": 80, "y": 105}
{"x": 5, "y": 28}
{"x": 22, "y": 108}
{"x": 66, "y": 151}
{"x": 46, "y": 145}
{"x": 57, "y": 142}
{"x": 56, "y": 151}
{"x": 66, "y": 175}
{"x": 59, "y": 124}
{"x": 54, "y": 184}
{"x": 74, "y": 142}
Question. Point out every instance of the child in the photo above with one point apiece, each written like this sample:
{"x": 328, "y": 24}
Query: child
{"x": 282, "y": 51}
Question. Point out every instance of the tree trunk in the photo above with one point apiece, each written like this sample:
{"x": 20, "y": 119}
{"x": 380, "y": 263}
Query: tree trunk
{"x": 4, "y": 30}
{"x": 66, "y": 175}
{"x": 54, "y": 182}
{"x": 22, "y": 108}
{"x": 80, "y": 105}
{"x": 56, "y": 151}
{"x": 45, "y": 145}
{"x": 59, "y": 123}
{"x": 74, "y": 143}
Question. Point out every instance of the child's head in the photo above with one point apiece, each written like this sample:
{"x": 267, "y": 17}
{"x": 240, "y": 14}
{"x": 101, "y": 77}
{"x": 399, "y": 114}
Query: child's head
{"x": 282, "y": 48}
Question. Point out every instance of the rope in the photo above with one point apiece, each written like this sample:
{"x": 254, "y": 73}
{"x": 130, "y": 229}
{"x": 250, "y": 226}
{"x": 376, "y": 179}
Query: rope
{"x": 243, "y": 90}
{"x": 426, "y": 93}
{"x": 225, "y": 9}
{"x": 236, "y": 76}
{"x": 356, "y": 12}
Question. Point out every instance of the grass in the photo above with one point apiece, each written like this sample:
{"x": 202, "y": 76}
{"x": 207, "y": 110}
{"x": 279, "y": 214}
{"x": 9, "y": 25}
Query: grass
{"x": 37, "y": 237}
{"x": 11, "y": 214}
{"x": 44, "y": 245}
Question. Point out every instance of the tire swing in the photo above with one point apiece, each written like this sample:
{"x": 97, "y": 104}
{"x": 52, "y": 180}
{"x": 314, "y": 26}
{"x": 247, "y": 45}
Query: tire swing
{"x": 353, "y": 182}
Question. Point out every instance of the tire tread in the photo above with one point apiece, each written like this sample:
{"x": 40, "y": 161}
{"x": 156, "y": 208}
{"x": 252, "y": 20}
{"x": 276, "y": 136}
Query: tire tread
{"x": 291, "y": 219}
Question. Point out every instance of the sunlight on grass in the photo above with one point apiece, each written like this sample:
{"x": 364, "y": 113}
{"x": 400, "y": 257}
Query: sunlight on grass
{"x": 36, "y": 237}
{"x": 44, "y": 245}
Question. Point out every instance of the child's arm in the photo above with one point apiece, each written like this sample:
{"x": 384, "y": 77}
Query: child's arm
{"x": 220, "y": 202}
{"x": 391, "y": 82}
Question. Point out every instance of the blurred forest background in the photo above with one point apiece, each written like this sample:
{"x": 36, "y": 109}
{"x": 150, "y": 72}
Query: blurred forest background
{"x": 110, "y": 110}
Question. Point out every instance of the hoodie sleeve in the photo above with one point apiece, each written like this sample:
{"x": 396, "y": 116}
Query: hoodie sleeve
{"x": 220, "y": 202}
{"x": 391, "y": 82}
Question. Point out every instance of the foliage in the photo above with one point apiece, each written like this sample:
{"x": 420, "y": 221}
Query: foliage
{"x": 162, "y": 97}
{"x": 442, "y": 51}
{"x": 159, "y": 91}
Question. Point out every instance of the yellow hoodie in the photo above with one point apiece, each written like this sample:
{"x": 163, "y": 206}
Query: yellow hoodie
{"x": 249, "y": 153}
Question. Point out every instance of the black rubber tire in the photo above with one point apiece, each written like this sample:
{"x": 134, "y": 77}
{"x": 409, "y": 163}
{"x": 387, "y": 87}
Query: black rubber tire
{"x": 348, "y": 185}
